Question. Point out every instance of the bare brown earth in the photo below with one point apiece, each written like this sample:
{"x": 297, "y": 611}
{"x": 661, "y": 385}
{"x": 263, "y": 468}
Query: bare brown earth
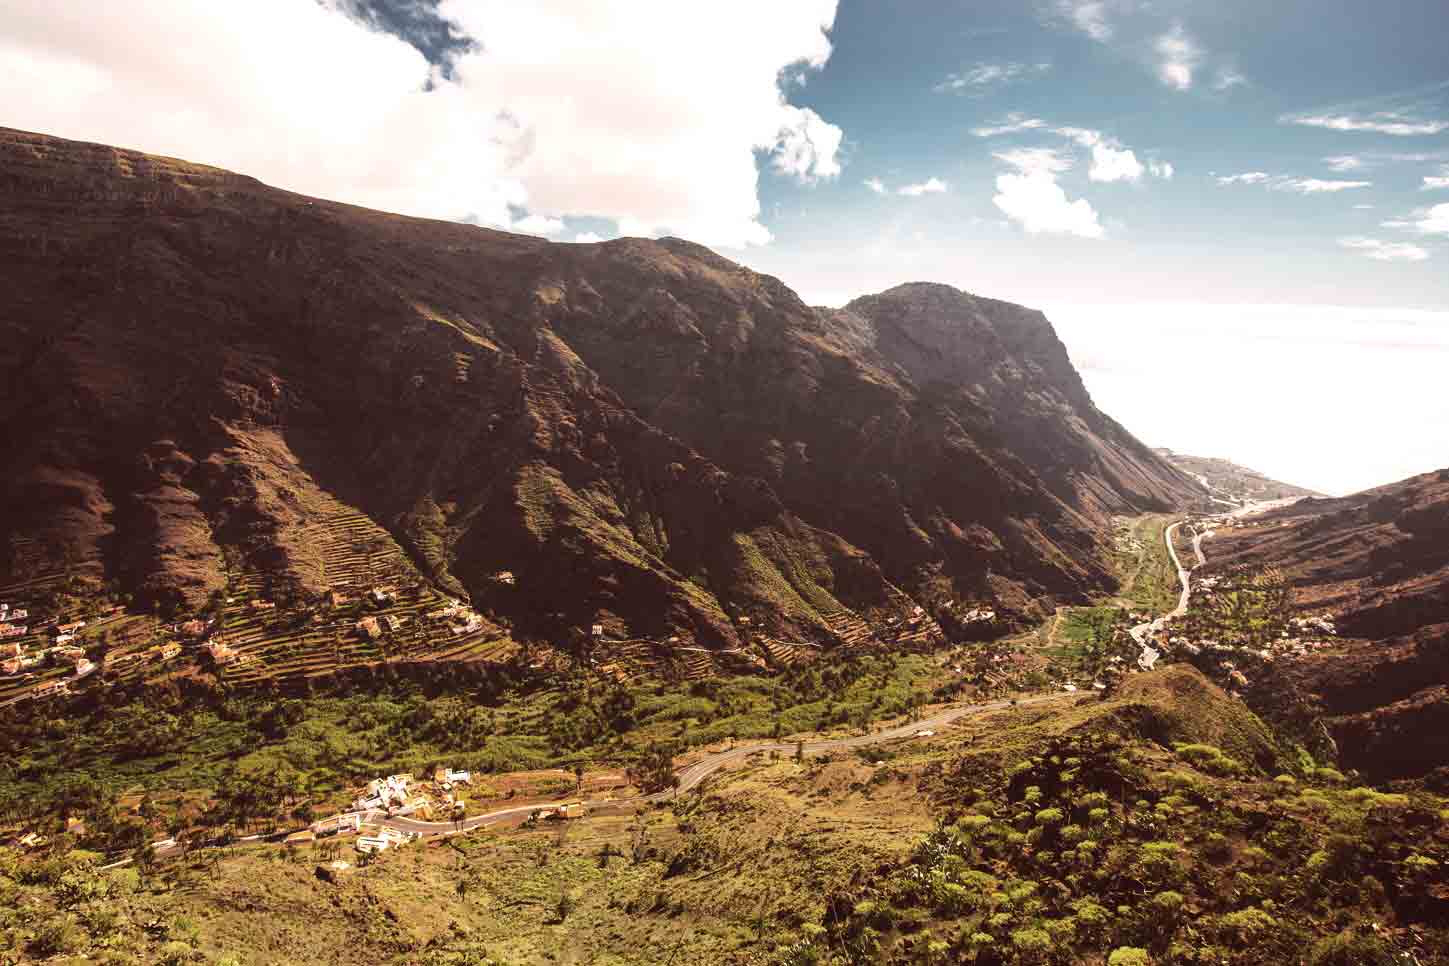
{"x": 646, "y": 434}
{"x": 1379, "y": 561}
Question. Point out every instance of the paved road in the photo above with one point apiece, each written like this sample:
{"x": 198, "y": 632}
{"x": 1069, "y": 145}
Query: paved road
{"x": 1142, "y": 632}
{"x": 1183, "y": 574}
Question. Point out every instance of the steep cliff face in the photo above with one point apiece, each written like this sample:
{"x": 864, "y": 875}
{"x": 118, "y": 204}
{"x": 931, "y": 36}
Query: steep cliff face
{"x": 646, "y": 434}
{"x": 1379, "y": 561}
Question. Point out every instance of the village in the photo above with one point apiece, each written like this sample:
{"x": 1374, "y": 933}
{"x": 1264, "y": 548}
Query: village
{"x": 374, "y": 816}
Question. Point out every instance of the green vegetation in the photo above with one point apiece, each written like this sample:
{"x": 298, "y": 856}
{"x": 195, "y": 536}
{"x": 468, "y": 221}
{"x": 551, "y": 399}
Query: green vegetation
{"x": 1150, "y": 580}
{"x": 271, "y": 760}
{"x": 1158, "y": 823}
{"x": 1094, "y": 843}
{"x": 1087, "y": 638}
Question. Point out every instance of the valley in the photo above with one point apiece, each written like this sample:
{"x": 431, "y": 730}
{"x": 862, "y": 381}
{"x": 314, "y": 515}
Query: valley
{"x": 463, "y": 597}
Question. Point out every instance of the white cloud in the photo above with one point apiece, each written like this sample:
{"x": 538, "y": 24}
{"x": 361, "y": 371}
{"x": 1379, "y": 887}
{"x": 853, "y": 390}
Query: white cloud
{"x": 1383, "y": 122}
{"x": 1035, "y": 160}
{"x": 1433, "y": 182}
{"x": 875, "y": 184}
{"x": 1303, "y": 186}
{"x": 1111, "y": 161}
{"x": 1033, "y": 199}
{"x": 1343, "y": 163}
{"x": 587, "y": 238}
{"x": 1011, "y": 124}
{"x": 538, "y": 225}
{"x": 989, "y": 74}
{"x": 1318, "y": 186}
{"x": 1227, "y": 79}
{"x": 1363, "y": 207}
{"x": 1088, "y": 16}
{"x": 1385, "y": 251}
{"x": 1178, "y": 56}
{"x": 651, "y": 114}
{"x": 930, "y": 186}
{"x": 1434, "y": 221}
{"x": 1247, "y": 177}
{"x": 807, "y": 145}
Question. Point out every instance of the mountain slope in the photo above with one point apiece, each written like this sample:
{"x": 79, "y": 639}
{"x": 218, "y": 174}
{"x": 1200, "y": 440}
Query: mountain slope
{"x": 1379, "y": 562}
{"x": 1224, "y": 478}
{"x": 195, "y": 366}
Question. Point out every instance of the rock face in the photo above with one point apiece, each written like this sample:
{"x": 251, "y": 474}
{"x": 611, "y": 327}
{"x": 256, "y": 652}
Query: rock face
{"x": 647, "y": 435}
{"x": 1379, "y": 561}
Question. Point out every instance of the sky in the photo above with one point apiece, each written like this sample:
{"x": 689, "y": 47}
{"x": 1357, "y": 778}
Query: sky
{"x": 1236, "y": 213}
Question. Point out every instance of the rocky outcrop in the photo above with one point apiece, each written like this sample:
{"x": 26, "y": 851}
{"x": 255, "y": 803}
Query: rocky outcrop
{"x": 646, "y": 434}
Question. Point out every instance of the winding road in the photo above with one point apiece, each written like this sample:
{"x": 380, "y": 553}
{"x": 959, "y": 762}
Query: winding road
{"x": 1143, "y": 632}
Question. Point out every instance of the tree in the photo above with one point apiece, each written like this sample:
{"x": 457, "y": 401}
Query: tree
{"x": 145, "y": 858}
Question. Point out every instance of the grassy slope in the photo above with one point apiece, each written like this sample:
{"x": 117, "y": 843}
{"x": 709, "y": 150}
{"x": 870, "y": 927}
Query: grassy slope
{"x": 781, "y": 861}
{"x": 1152, "y": 580}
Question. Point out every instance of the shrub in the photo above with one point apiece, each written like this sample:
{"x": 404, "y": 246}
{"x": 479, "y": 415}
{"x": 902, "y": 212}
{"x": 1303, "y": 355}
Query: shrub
{"x": 1217, "y": 848}
{"x": 1032, "y": 944}
{"x": 1256, "y": 855}
{"x": 971, "y": 824}
{"x": 1347, "y": 949}
{"x": 1128, "y": 956}
{"x": 1050, "y": 817}
{"x": 1208, "y": 758}
{"x": 1247, "y": 925}
{"x": 176, "y": 953}
{"x": 1158, "y": 862}
{"x": 56, "y": 936}
{"x": 1092, "y": 919}
{"x": 1167, "y": 904}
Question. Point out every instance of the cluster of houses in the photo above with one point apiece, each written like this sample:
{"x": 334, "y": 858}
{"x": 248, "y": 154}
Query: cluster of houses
{"x": 1318, "y": 623}
{"x": 404, "y": 795}
{"x": 223, "y": 654}
{"x": 394, "y": 795}
{"x": 977, "y": 615}
{"x": 61, "y": 651}
{"x": 384, "y": 794}
{"x": 8, "y": 618}
{"x": 387, "y": 837}
{"x": 460, "y": 618}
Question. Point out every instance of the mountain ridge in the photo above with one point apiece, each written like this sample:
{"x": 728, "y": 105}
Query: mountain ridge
{"x": 649, "y": 435}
